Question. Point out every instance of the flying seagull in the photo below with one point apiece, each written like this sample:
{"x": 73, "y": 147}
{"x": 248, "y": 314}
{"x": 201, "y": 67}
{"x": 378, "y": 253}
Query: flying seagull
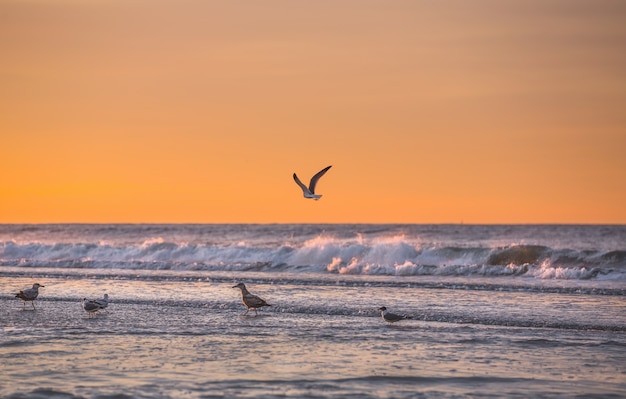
{"x": 309, "y": 192}
{"x": 29, "y": 295}
{"x": 391, "y": 317}
{"x": 250, "y": 301}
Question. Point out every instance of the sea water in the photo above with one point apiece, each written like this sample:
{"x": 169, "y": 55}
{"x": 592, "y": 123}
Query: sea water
{"x": 497, "y": 311}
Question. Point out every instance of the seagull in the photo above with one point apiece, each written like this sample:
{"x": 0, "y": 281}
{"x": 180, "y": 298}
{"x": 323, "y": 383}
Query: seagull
{"x": 90, "y": 307}
{"x": 103, "y": 303}
{"x": 250, "y": 301}
{"x": 309, "y": 192}
{"x": 29, "y": 294}
{"x": 391, "y": 317}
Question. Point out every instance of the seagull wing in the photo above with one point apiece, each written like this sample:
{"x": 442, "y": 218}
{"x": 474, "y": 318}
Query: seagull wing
{"x": 304, "y": 188}
{"x": 90, "y": 306}
{"x": 393, "y": 317}
{"x": 253, "y": 301}
{"x": 316, "y": 177}
{"x": 29, "y": 294}
{"x": 101, "y": 303}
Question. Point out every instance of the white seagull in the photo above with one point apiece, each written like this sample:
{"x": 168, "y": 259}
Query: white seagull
{"x": 309, "y": 192}
{"x": 391, "y": 317}
{"x": 250, "y": 301}
{"x": 91, "y": 307}
{"x": 29, "y": 295}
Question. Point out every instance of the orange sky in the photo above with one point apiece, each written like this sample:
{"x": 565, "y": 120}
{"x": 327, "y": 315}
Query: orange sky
{"x": 200, "y": 111}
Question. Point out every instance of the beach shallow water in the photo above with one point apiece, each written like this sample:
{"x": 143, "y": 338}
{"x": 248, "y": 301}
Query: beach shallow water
{"x": 175, "y": 327}
{"x": 314, "y": 342}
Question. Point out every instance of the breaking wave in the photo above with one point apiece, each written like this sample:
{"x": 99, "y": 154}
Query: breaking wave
{"x": 394, "y": 256}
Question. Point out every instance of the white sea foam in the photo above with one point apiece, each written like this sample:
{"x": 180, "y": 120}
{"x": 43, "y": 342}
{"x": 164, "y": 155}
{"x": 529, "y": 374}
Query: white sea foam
{"x": 349, "y": 250}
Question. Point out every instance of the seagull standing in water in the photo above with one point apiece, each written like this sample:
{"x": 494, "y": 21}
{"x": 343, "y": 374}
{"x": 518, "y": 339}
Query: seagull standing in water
{"x": 250, "y": 301}
{"x": 309, "y": 192}
{"x": 90, "y": 307}
{"x": 391, "y": 317}
{"x": 29, "y": 295}
{"x": 103, "y": 303}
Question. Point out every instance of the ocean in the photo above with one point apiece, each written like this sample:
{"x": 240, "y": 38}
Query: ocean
{"x": 496, "y": 311}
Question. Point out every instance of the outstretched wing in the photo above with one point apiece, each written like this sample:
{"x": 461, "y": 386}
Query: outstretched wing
{"x": 302, "y": 186}
{"x": 316, "y": 177}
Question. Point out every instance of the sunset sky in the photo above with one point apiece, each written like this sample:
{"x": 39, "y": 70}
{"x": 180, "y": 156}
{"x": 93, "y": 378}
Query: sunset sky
{"x": 194, "y": 111}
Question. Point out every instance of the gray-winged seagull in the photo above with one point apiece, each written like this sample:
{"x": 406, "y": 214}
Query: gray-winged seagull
{"x": 391, "y": 317}
{"x": 91, "y": 306}
{"x": 309, "y": 192}
{"x": 103, "y": 302}
{"x": 29, "y": 295}
{"x": 250, "y": 301}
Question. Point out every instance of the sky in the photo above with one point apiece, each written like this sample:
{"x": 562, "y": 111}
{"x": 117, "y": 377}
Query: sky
{"x": 430, "y": 111}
